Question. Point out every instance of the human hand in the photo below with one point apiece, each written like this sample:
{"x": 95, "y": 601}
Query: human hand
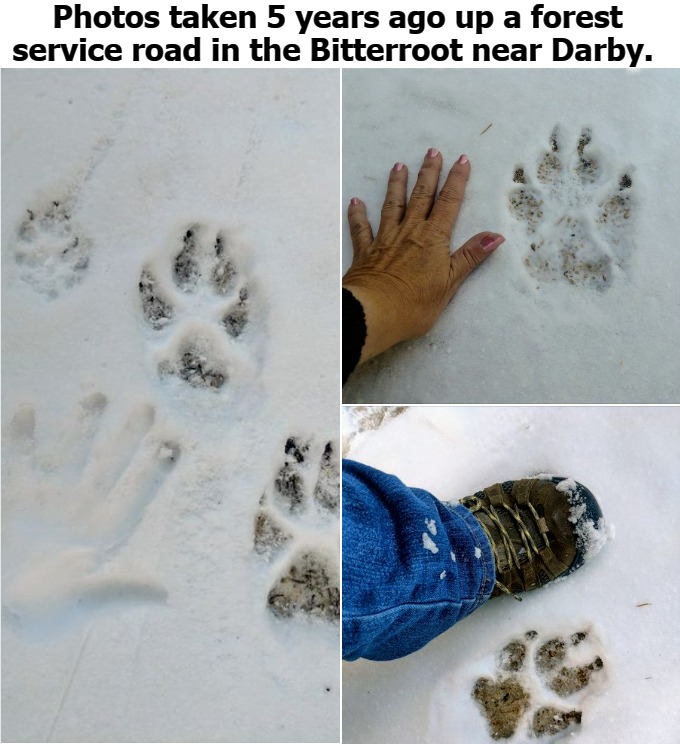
{"x": 405, "y": 276}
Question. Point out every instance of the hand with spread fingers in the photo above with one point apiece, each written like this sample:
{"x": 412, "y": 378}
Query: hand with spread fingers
{"x": 405, "y": 276}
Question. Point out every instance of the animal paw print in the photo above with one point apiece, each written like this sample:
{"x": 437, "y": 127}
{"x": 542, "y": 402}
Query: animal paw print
{"x": 363, "y": 419}
{"x": 51, "y": 251}
{"x": 205, "y": 285}
{"x": 562, "y": 670}
{"x": 577, "y": 220}
{"x": 70, "y": 509}
{"x": 296, "y": 527}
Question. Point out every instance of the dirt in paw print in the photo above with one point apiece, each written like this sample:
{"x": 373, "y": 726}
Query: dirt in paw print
{"x": 297, "y": 531}
{"x": 577, "y": 217}
{"x": 540, "y": 685}
{"x": 202, "y": 306}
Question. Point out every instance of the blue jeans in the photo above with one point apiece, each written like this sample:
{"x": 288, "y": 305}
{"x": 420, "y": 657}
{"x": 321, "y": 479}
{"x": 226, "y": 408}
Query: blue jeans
{"x": 412, "y": 566}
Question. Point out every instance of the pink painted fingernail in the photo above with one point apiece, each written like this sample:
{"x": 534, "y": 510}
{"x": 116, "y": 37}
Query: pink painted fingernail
{"x": 398, "y": 166}
{"x": 432, "y": 153}
{"x": 462, "y": 160}
{"x": 491, "y": 242}
{"x": 353, "y": 201}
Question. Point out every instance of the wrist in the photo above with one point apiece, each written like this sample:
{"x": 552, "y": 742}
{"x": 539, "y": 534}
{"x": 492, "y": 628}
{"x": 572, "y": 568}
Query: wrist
{"x": 381, "y": 320}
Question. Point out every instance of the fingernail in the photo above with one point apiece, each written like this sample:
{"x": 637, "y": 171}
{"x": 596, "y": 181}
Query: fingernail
{"x": 462, "y": 160}
{"x": 491, "y": 242}
{"x": 398, "y": 166}
{"x": 353, "y": 201}
{"x": 432, "y": 153}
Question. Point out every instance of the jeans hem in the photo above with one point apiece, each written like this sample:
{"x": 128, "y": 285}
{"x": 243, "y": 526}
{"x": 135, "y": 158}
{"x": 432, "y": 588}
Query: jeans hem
{"x": 481, "y": 543}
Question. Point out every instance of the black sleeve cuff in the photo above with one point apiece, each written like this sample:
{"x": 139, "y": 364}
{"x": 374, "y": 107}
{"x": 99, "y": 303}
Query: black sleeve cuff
{"x": 353, "y": 333}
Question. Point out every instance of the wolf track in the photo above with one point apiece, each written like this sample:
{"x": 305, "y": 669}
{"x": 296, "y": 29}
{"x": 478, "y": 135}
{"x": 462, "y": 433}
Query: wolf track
{"x": 205, "y": 308}
{"x": 50, "y": 249}
{"x": 301, "y": 506}
{"x": 561, "y": 668}
{"x": 576, "y": 219}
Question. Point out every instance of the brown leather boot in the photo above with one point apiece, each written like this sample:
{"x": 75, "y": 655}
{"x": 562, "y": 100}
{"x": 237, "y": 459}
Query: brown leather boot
{"x": 539, "y": 529}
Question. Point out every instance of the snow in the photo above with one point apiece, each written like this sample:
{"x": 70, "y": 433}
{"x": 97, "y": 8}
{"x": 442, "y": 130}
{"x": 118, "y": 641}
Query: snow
{"x": 428, "y": 544}
{"x": 593, "y": 537}
{"x": 431, "y": 526}
{"x": 576, "y": 512}
{"x": 478, "y": 553}
{"x": 141, "y": 434}
{"x": 599, "y": 328}
{"x": 622, "y": 599}
{"x": 566, "y": 486}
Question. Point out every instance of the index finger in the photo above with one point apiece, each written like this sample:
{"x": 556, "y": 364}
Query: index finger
{"x": 445, "y": 210}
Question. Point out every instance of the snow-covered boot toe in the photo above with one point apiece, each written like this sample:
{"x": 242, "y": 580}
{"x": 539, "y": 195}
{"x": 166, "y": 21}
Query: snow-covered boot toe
{"x": 539, "y": 528}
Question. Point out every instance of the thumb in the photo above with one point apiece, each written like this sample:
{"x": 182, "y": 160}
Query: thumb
{"x": 471, "y": 254}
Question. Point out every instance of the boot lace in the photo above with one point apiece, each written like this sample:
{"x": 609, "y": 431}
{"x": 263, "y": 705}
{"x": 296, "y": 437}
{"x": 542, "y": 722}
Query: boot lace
{"x": 513, "y": 557}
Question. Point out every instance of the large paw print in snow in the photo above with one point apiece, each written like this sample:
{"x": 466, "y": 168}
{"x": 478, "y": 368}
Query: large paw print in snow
{"x": 297, "y": 529}
{"x": 70, "y": 510}
{"x": 577, "y": 220}
{"x": 51, "y": 251}
{"x": 205, "y": 308}
{"x": 540, "y": 685}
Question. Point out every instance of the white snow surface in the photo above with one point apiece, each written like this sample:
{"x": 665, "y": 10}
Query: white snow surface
{"x": 625, "y": 598}
{"x": 140, "y": 613}
{"x": 516, "y": 333}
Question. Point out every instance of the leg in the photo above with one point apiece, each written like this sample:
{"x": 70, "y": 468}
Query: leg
{"x": 412, "y": 565}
